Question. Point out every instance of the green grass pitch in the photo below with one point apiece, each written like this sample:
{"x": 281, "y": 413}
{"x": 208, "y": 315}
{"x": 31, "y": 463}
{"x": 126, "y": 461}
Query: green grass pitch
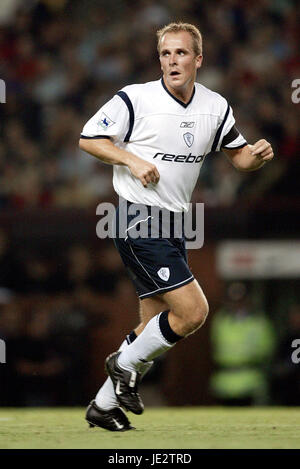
{"x": 157, "y": 428}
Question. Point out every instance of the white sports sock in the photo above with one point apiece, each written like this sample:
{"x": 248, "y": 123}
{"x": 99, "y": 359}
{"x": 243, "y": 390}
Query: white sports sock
{"x": 149, "y": 344}
{"x": 106, "y": 398}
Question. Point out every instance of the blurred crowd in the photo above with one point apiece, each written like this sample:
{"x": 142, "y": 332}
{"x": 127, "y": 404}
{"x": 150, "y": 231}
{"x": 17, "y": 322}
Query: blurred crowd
{"x": 60, "y": 315}
{"x": 62, "y": 59}
{"x": 49, "y": 309}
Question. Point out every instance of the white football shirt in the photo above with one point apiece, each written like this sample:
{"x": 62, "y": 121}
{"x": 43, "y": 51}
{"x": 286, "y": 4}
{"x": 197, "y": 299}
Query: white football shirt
{"x": 148, "y": 121}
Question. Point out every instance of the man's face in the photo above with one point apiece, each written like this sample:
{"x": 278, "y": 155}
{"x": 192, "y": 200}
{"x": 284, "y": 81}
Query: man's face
{"x": 178, "y": 60}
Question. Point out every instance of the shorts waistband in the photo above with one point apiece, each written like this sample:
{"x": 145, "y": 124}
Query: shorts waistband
{"x": 154, "y": 221}
{"x": 154, "y": 211}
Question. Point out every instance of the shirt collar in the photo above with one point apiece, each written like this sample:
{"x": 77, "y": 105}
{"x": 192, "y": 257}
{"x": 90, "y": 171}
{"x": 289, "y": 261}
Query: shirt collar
{"x": 174, "y": 97}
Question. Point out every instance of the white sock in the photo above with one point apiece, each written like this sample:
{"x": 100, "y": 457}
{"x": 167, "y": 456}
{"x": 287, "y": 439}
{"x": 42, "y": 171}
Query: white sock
{"x": 149, "y": 344}
{"x": 106, "y": 398}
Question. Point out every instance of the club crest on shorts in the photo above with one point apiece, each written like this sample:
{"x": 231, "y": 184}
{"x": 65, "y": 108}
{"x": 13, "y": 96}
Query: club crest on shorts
{"x": 188, "y": 138}
{"x": 164, "y": 273}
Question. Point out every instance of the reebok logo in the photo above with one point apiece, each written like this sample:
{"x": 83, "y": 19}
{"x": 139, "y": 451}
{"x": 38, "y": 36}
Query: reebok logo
{"x": 180, "y": 158}
{"x": 187, "y": 125}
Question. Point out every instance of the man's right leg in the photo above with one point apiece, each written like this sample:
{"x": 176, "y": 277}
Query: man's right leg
{"x": 106, "y": 407}
{"x": 187, "y": 311}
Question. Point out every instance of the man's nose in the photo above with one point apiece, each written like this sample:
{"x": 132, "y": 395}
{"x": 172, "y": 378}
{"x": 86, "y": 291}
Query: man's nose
{"x": 172, "y": 59}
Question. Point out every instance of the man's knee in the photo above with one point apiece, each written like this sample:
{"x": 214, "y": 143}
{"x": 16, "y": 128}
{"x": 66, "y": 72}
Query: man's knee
{"x": 197, "y": 315}
{"x": 192, "y": 315}
{"x": 189, "y": 307}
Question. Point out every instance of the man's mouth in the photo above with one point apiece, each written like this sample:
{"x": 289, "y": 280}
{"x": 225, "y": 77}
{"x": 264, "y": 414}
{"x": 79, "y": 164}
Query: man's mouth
{"x": 174, "y": 73}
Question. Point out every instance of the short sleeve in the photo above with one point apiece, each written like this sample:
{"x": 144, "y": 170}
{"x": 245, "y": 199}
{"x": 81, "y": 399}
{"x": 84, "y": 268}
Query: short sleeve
{"x": 111, "y": 121}
{"x": 233, "y": 139}
{"x": 227, "y": 135}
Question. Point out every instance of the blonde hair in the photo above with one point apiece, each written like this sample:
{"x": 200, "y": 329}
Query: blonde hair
{"x": 178, "y": 27}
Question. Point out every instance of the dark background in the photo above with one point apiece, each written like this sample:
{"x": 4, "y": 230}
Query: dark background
{"x": 65, "y": 300}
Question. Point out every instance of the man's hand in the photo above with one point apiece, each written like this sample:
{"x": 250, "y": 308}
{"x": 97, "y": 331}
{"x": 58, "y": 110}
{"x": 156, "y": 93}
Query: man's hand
{"x": 144, "y": 171}
{"x": 262, "y": 149}
{"x": 250, "y": 157}
{"x": 106, "y": 151}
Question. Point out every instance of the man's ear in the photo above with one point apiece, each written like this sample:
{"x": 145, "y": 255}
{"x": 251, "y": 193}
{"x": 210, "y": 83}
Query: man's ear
{"x": 199, "y": 60}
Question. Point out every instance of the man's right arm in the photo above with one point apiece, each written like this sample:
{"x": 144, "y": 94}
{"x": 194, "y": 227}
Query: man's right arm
{"x": 107, "y": 152}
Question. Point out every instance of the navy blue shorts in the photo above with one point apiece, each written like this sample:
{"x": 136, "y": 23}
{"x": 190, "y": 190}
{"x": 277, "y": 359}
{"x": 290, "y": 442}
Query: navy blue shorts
{"x": 153, "y": 253}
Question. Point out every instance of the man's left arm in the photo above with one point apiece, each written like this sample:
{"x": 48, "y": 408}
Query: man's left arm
{"x": 250, "y": 157}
